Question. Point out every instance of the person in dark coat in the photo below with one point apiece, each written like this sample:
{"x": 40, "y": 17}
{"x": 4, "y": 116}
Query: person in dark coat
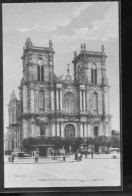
{"x": 76, "y": 156}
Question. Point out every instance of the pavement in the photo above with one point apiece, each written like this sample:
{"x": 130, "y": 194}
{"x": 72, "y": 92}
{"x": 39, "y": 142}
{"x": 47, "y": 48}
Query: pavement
{"x": 46, "y": 160}
{"x": 101, "y": 170}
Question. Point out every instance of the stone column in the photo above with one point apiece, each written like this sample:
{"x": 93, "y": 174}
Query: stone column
{"x": 80, "y": 99}
{"x": 88, "y": 131}
{"x": 108, "y": 100}
{"x": 87, "y": 101}
{"x": 52, "y": 99}
{"x": 84, "y": 100}
{"x": 57, "y": 99}
{"x": 25, "y": 129}
{"x": 62, "y": 130}
{"x": 32, "y": 101}
{"x": 81, "y": 130}
{"x": 105, "y": 100}
{"x": 53, "y": 129}
{"x": 32, "y": 127}
{"x": 60, "y": 99}
{"x": 24, "y": 99}
{"x": 58, "y": 129}
{"x": 85, "y": 130}
{"x": 14, "y": 139}
{"x": 19, "y": 138}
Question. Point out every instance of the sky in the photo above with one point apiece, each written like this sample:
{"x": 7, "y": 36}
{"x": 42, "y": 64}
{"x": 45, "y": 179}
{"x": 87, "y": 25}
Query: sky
{"x": 67, "y": 24}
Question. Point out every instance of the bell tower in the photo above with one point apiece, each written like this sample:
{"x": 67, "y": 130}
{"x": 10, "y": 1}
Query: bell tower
{"x": 38, "y": 62}
{"x": 94, "y": 89}
{"x": 89, "y": 66}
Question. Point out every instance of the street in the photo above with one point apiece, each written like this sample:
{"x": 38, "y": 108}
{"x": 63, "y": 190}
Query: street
{"x": 89, "y": 172}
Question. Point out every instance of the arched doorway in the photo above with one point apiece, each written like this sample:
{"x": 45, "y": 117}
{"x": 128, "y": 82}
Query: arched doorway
{"x": 69, "y": 130}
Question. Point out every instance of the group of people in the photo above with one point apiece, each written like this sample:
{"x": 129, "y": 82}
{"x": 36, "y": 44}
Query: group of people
{"x": 78, "y": 156}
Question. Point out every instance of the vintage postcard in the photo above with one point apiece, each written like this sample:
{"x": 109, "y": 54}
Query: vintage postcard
{"x": 61, "y": 95}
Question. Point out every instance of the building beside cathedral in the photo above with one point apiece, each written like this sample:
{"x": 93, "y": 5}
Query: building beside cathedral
{"x": 57, "y": 106}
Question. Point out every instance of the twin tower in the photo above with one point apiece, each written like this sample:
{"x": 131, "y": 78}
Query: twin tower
{"x": 57, "y": 106}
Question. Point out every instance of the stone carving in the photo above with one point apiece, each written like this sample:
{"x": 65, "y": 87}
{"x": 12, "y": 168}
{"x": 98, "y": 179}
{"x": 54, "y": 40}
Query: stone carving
{"x": 50, "y": 44}
{"x": 75, "y": 54}
{"x": 28, "y": 42}
{"x": 69, "y": 118}
{"x": 102, "y": 48}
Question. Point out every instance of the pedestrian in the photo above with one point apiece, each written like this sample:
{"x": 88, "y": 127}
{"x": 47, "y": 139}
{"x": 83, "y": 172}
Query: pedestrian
{"x": 79, "y": 156}
{"x": 36, "y": 159}
{"x": 76, "y": 157}
{"x": 51, "y": 153}
{"x": 64, "y": 158}
{"x": 86, "y": 154}
{"x": 9, "y": 159}
{"x": 92, "y": 153}
{"x": 13, "y": 158}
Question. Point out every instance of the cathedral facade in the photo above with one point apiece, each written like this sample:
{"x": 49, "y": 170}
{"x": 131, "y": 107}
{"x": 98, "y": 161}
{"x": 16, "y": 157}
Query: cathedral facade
{"x": 57, "y": 106}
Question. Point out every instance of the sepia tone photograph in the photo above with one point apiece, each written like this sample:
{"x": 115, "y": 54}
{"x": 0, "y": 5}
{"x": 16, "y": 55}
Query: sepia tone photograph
{"x": 61, "y": 94}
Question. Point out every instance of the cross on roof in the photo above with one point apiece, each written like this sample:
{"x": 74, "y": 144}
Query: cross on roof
{"x": 50, "y": 44}
{"x": 81, "y": 47}
{"x": 68, "y": 70}
{"x": 102, "y": 48}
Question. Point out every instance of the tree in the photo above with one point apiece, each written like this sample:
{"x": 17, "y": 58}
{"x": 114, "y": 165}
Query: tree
{"x": 28, "y": 142}
{"x": 100, "y": 141}
{"x": 96, "y": 144}
{"x": 88, "y": 141}
{"x": 115, "y": 142}
{"x": 57, "y": 141}
{"x": 78, "y": 142}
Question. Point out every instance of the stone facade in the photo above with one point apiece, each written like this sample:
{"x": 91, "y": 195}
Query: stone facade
{"x": 53, "y": 106}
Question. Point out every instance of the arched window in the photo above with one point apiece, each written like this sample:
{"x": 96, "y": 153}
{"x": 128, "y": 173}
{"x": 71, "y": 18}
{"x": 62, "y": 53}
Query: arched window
{"x": 95, "y": 131}
{"x": 41, "y": 99}
{"x": 69, "y": 102}
{"x": 94, "y": 74}
{"x": 95, "y": 103}
{"x": 69, "y": 131}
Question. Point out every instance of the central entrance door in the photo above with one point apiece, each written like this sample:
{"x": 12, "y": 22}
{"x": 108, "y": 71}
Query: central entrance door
{"x": 69, "y": 132}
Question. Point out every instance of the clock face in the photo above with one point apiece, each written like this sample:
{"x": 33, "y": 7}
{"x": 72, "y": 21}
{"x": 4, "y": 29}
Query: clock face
{"x": 40, "y": 62}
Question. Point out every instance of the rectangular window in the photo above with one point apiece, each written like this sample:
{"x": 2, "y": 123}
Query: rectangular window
{"x": 95, "y": 76}
{"x": 38, "y": 71}
{"x": 42, "y": 73}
